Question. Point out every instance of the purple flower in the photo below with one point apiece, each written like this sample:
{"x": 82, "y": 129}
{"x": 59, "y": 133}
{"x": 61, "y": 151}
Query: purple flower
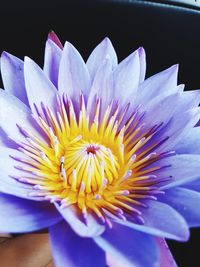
{"x": 108, "y": 161}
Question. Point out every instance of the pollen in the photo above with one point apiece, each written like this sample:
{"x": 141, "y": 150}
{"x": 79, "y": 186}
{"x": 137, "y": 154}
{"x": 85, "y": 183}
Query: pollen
{"x": 99, "y": 163}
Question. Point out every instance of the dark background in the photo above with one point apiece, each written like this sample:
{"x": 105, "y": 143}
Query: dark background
{"x": 169, "y": 35}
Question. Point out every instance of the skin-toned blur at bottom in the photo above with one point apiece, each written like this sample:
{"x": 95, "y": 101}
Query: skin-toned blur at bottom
{"x": 30, "y": 250}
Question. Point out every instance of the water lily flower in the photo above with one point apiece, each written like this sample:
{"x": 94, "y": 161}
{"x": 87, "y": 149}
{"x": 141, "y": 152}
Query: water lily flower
{"x": 106, "y": 160}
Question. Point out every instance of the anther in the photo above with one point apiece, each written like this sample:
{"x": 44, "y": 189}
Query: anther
{"x": 97, "y": 197}
{"x": 127, "y": 175}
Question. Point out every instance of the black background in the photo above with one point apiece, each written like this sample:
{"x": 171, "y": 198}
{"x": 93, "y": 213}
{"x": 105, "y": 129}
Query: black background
{"x": 169, "y": 35}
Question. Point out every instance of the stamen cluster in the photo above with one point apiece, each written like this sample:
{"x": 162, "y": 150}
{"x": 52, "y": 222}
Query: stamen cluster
{"x": 101, "y": 164}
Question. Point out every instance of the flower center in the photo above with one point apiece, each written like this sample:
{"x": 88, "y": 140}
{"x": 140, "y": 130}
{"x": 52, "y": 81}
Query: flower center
{"x": 101, "y": 164}
{"x": 87, "y": 167}
{"x": 92, "y": 149}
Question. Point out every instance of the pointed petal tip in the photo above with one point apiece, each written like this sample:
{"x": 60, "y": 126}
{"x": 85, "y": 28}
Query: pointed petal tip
{"x": 172, "y": 72}
{"x": 54, "y": 38}
{"x": 5, "y": 54}
{"x": 51, "y": 34}
{"x": 107, "y": 40}
{"x": 68, "y": 45}
{"x": 4, "y": 57}
{"x": 28, "y": 61}
{"x": 174, "y": 67}
{"x": 11, "y": 59}
{"x": 181, "y": 87}
{"x": 141, "y": 50}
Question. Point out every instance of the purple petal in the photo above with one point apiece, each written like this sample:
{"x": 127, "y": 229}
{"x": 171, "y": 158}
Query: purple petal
{"x": 12, "y": 71}
{"x": 184, "y": 201}
{"x": 101, "y": 87}
{"x": 14, "y": 112}
{"x": 19, "y": 215}
{"x": 70, "y": 250}
{"x": 91, "y": 229}
{"x": 2, "y": 139}
{"x": 160, "y": 110}
{"x": 52, "y": 61}
{"x": 126, "y": 78}
{"x": 5, "y": 141}
{"x": 189, "y": 100}
{"x": 161, "y": 220}
{"x": 165, "y": 218}
{"x": 38, "y": 87}
{"x": 8, "y": 184}
{"x": 198, "y": 123}
{"x": 189, "y": 143}
{"x": 54, "y": 38}
{"x": 193, "y": 185}
{"x": 73, "y": 73}
{"x": 165, "y": 81}
{"x": 127, "y": 246}
{"x": 179, "y": 174}
{"x": 99, "y": 54}
{"x": 175, "y": 94}
{"x": 178, "y": 127}
{"x": 142, "y": 58}
{"x": 166, "y": 258}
